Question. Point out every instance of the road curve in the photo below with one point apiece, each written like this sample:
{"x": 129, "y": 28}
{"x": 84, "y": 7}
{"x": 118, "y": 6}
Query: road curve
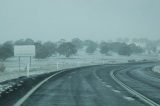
{"x": 91, "y": 86}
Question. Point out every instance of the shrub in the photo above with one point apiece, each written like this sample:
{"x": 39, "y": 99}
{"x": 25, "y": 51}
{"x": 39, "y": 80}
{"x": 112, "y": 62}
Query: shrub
{"x": 67, "y": 49}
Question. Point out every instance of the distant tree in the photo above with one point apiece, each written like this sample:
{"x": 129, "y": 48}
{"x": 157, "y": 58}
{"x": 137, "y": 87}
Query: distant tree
{"x": 20, "y": 42}
{"x": 88, "y": 42}
{"x": 38, "y": 46}
{"x": 91, "y": 49}
{"x": 45, "y": 50}
{"x": 115, "y": 46}
{"x": 67, "y": 49}
{"x": 51, "y": 47}
{"x": 61, "y": 41}
{"x": 111, "y": 46}
{"x": 104, "y": 48}
{"x": 41, "y": 50}
{"x": 6, "y": 50}
{"x": 151, "y": 47}
{"x": 27, "y": 41}
{"x": 91, "y": 46}
{"x": 136, "y": 49}
{"x": 125, "y": 50}
{"x": 120, "y": 48}
{"x": 77, "y": 42}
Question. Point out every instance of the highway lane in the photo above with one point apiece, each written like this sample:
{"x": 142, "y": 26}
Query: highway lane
{"x": 92, "y": 86}
{"x": 141, "y": 81}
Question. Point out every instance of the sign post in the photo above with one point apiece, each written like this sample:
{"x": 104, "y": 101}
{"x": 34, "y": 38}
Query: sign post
{"x": 24, "y": 51}
{"x": 19, "y": 61}
{"x": 28, "y": 68}
{"x": 57, "y": 66}
{"x": 30, "y": 61}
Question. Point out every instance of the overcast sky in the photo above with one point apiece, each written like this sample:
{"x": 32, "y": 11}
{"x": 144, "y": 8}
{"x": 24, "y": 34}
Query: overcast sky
{"x": 86, "y": 19}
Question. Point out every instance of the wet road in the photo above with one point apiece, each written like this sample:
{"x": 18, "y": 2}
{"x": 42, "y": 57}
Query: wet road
{"x": 94, "y": 86}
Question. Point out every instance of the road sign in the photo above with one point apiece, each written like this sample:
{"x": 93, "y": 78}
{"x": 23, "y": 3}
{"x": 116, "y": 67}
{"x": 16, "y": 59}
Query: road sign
{"x": 24, "y": 50}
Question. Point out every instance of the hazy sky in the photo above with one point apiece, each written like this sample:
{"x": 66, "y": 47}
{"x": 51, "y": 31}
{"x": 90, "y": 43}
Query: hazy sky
{"x": 86, "y": 19}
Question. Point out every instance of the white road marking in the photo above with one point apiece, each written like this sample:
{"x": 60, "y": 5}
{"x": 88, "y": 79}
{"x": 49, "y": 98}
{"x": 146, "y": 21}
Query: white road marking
{"x": 104, "y": 83}
{"x": 108, "y": 86}
{"x": 128, "y": 98}
{"x": 116, "y": 91}
{"x": 98, "y": 77}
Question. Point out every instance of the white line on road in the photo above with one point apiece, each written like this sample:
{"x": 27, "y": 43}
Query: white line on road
{"x": 104, "y": 83}
{"x": 128, "y": 98}
{"x": 108, "y": 86}
{"x": 116, "y": 91}
{"x": 97, "y": 77}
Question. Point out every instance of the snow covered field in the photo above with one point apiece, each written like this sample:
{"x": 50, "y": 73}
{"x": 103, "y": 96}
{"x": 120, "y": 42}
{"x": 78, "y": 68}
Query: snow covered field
{"x": 40, "y": 66}
{"x": 156, "y": 69}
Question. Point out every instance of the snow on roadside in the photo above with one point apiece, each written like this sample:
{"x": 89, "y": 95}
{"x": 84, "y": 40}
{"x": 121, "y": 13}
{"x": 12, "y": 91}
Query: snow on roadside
{"x": 43, "y": 66}
{"x": 40, "y": 66}
{"x": 156, "y": 69}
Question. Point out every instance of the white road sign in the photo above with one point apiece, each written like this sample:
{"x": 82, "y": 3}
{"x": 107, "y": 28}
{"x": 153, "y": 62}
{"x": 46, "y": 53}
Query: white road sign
{"x": 24, "y": 50}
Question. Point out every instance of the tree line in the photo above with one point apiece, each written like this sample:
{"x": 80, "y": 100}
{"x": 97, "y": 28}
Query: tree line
{"x": 65, "y": 48}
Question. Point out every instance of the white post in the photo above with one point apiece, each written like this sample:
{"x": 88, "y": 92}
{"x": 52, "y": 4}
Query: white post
{"x": 28, "y": 67}
{"x": 57, "y": 66}
{"x": 19, "y": 59}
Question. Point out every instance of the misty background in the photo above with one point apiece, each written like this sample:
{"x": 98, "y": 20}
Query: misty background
{"x": 75, "y": 33}
{"x": 87, "y": 19}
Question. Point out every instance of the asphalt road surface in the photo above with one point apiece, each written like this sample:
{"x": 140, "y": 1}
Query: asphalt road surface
{"x": 94, "y": 86}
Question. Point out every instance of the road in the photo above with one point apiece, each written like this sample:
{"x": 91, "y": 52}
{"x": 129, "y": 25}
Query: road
{"x": 94, "y": 86}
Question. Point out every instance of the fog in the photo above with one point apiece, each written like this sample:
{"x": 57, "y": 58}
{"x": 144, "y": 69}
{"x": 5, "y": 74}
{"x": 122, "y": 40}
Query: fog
{"x": 87, "y": 19}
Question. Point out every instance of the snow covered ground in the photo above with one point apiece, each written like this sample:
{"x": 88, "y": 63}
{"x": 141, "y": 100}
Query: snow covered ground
{"x": 156, "y": 69}
{"x": 40, "y": 66}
